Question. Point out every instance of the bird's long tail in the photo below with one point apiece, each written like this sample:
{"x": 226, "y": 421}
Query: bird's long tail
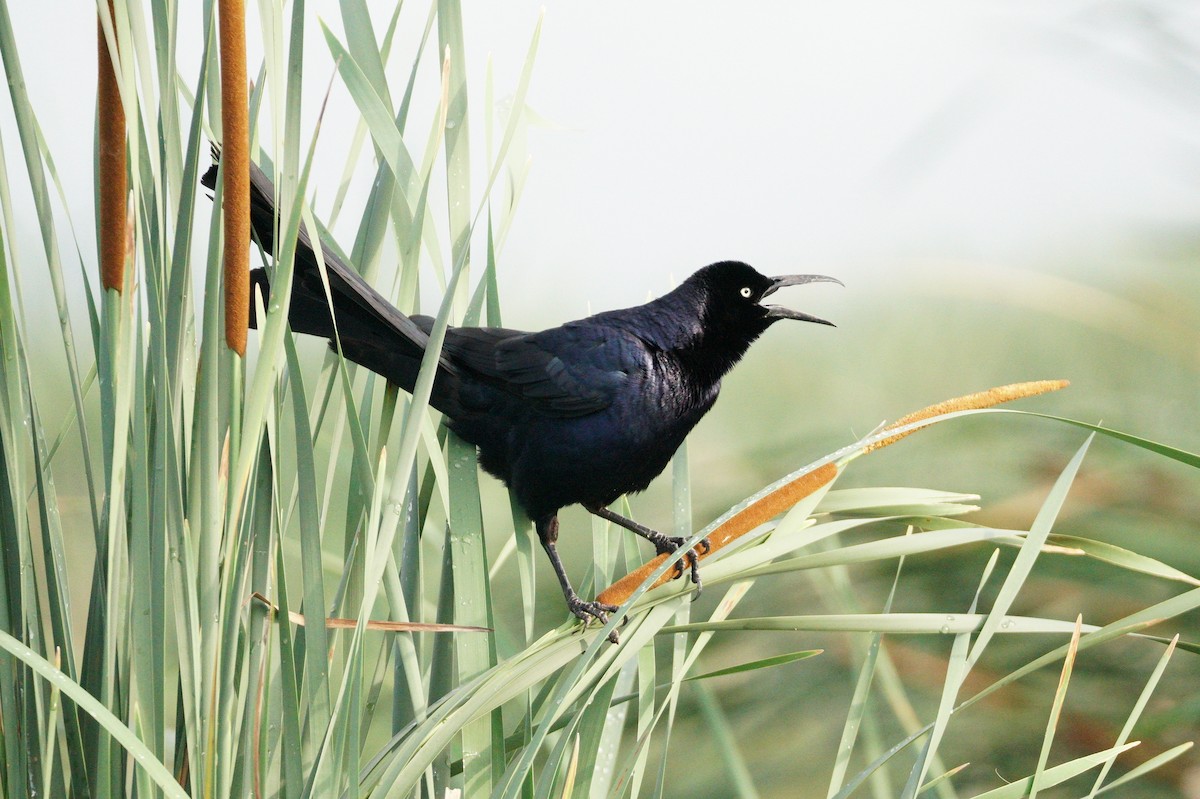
{"x": 372, "y": 332}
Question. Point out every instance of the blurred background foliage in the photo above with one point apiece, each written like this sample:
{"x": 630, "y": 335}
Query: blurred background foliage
{"x": 1127, "y": 339}
{"x": 924, "y": 317}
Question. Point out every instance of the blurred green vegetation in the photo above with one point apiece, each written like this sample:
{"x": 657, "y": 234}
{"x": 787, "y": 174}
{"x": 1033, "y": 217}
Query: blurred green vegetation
{"x": 901, "y": 345}
{"x": 1127, "y": 338}
{"x": 802, "y": 393}
{"x": 1123, "y": 331}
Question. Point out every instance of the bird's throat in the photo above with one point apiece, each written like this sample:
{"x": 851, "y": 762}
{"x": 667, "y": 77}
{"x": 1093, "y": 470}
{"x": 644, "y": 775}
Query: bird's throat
{"x": 710, "y": 358}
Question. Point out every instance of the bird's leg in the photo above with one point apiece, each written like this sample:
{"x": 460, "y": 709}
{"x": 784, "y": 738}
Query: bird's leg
{"x": 663, "y": 544}
{"x": 547, "y": 530}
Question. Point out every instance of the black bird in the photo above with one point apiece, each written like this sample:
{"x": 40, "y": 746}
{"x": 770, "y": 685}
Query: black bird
{"x": 579, "y": 414}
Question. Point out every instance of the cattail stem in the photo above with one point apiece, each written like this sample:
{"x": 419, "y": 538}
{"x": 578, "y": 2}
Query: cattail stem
{"x": 235, "y": 168}
{"x": 111, "y": 167}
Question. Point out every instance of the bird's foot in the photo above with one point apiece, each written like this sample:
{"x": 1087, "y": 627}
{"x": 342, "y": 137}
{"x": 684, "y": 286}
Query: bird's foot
{"x": 670, "y": 544}
{"x": 589, "y": 611}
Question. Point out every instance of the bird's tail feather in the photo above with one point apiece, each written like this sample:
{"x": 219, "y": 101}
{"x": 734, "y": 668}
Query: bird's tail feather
{"x": 372, "y": 332}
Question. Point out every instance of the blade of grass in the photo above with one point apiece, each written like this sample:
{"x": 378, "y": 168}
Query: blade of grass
{"x": 608, "y": 744}
{"x": 754, "y": 665}
{"x": 315, "y": 676}
{"x": 51, "y": 736}
{"x": 941, "y": 778}
{"x": 891, "y": 623}
{"x": 27, "y": 131}
{"x": 57, "y": 584}
{"x": 89, "y": 704}
{"x": 1174, "y": 453}
{"x": 956, "y": 671}
{"x": 880, "y": 549}
{"x": 295, "y": 762}
{"x": 1135, "y": 714}
{"x": 1060, "y": 696}
{"x": 894, "y": 501}
{"x": 1023, "y": 564}
{"x": 1119, "y": 556}
{"x": 1056, "y": 775}
{"x": 726, "y": 744}
{"x": 472, "y": 605}
{"x": 572, "y": 772}
{"x": 553, "y": 772}
{"x": 647, "y": 715}
{"x": 858, "y": 700}
{"x": 1128, "y": 625}
{"x": 1145, "y": 768}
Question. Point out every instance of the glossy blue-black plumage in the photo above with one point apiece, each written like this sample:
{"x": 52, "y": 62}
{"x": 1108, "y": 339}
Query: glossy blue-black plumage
{"x": 577, "y": 414}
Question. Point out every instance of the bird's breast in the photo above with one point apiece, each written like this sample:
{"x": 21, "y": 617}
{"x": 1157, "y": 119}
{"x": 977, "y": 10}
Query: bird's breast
{"x": 597, "y": 458}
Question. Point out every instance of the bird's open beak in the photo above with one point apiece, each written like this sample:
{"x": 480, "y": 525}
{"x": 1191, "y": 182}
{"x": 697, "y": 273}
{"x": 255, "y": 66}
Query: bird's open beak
{"x": 779, "y": 312}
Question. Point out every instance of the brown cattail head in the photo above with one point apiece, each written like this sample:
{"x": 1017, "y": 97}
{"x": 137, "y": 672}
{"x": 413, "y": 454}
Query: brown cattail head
{"x": 981, "y": 399}
{"x": 111, "y": 168}
{"x": 772, "y": 504}
{"x": 235, "y": 167}
{"x": 757, "y": 512}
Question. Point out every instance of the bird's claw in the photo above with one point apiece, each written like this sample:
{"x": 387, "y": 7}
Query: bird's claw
{"x": 668, "y": 545}
{"x": 589, "y": 611}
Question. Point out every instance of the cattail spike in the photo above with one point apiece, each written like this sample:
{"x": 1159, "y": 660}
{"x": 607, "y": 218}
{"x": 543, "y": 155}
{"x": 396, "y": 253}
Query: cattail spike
{"x": 970, "y": 402}
{"x": 766, "y": 507}
{"x": 111, "y": 168}
{"x": 235, "y": 169}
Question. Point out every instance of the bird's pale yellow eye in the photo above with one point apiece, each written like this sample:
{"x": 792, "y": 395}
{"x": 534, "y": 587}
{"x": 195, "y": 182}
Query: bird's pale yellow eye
{"x": 746, "y": 292}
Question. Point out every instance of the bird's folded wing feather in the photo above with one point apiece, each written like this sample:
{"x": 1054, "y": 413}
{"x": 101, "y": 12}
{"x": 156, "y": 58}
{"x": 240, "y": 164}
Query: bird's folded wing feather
{"x": 566, "y": 371}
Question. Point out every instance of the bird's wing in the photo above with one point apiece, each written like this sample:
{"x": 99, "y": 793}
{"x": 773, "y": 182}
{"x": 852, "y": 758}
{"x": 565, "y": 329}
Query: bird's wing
{"x": 566, "y": 371}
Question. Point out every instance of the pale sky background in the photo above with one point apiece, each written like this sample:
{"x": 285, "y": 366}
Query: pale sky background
{"x": 846, "y": 138}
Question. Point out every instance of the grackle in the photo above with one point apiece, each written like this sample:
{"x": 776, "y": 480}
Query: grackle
{"x": 579, "y": 414}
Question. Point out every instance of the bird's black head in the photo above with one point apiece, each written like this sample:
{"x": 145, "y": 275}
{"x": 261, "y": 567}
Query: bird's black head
{"x": 723, "y": 308}
{"x": 733, "y": 293}
{"x": 729, "y": 299}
